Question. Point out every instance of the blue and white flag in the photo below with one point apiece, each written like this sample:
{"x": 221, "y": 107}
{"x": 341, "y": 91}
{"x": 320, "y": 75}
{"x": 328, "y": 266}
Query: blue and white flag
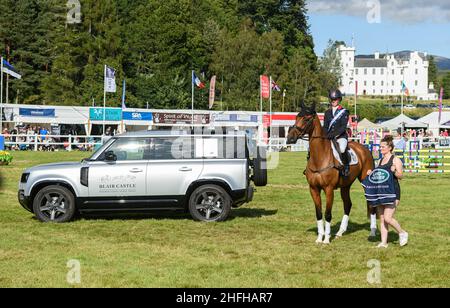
{"x": 110, "y": 80}
{"x": 379, "y": 188}
{"x": 7, "y": 68}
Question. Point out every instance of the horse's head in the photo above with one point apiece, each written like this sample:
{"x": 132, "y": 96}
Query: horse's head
{"x": 304, "y": 124}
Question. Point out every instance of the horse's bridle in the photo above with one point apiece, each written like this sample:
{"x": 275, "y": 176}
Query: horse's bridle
{"x": 307, "y": 127}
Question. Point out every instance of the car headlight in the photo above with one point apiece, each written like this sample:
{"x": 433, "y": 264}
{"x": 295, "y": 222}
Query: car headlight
{"x": 24, "y": 177}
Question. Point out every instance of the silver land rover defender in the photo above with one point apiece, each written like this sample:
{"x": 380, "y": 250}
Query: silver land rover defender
{"x": 206, "y": 175}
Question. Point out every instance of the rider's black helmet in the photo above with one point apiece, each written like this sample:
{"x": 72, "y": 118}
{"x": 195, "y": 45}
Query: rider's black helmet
{"x": 335, "y": 94}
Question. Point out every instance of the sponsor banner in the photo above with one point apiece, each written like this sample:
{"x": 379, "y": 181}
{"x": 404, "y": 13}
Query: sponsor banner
{"x": 244, "y": 118}
{"x": 445, "y": 143}
{"x": 180, "y": 118}
{"x": 212, "y": 92}
{"x": 137, "y": 116}
{"x": 37, "y": 112}
{"x": 284, "y": 119}
{"x": 111, "y": 114}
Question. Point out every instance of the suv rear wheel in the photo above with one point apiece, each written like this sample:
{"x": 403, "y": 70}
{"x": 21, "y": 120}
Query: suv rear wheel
{"x": 210, "y": 203}
{"x": 54, "y": 204}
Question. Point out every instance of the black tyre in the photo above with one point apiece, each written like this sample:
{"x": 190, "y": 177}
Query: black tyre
{"x": 54, "y": 204}
{"x": 210, "y": 203}
{"x": 260, "y": 167}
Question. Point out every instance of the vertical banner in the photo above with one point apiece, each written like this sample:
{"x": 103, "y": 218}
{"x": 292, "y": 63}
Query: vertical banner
{"x": 265, "y": 87}
{"x": 212, "y": 92}
{"x": 124, "y": 89}
{"x": 110, "y": 80}
{"x": 440, "y": 105}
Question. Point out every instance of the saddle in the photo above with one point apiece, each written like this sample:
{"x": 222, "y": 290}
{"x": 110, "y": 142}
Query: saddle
{"x": 352, "y": 157}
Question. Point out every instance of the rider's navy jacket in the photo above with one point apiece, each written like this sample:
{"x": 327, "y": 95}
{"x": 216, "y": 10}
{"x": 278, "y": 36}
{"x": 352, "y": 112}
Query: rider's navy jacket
{"x": 339, "y": 127}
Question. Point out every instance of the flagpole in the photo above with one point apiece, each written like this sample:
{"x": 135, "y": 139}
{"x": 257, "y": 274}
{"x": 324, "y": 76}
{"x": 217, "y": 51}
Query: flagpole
{"x": 104, "y": 100}
{"x": 192, "y": 81}
{"x": 1, "y": 97}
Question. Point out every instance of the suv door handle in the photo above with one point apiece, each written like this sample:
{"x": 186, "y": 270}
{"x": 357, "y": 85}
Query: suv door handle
{"x": 185, "y": 169}
{"x": 136, "y": 170}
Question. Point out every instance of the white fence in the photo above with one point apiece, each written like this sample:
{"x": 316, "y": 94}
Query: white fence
{"x": 38, "y": 142}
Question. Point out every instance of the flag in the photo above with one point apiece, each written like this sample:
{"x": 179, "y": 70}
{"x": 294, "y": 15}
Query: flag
{"x": 110, "y": 80}
{"x": 265, "y": 87}
{"x": 440, "y": 104}
{"x": 405, "y": 89}
{"x": 212, "y": 92}
{"x": 196, "y": 81}
{"x": 124, "y": 106}
{"x": 7, "y": 68}
{"x": 275, "y": 87}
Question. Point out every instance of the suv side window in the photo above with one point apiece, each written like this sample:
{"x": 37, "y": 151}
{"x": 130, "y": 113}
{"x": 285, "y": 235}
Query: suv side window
{"x": 168, "y": 148}
{"x": 229, "y": 147}
{"x": 127, "y": 149}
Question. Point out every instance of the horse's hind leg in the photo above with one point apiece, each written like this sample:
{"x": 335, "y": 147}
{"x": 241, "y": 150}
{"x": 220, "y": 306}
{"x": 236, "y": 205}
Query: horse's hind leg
{"x": 315, "y": 194}
{"x": 373, "y": 220}
{"x": 345, "y": 194}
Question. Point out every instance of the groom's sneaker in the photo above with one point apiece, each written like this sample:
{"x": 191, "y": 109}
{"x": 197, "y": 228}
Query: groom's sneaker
{"x": 381, "y": 245}
{"x": 403, "y": 239}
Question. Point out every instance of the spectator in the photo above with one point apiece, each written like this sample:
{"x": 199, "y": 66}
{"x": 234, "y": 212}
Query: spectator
{"x": 43, "y": 132}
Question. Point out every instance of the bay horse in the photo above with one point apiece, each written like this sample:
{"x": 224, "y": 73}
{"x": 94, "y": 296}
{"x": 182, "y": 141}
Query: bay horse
{"x": 322, "y": 171}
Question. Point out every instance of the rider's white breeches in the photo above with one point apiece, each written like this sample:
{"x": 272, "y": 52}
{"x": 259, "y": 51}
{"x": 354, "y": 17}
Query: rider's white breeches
{"x": 342, "y": 144}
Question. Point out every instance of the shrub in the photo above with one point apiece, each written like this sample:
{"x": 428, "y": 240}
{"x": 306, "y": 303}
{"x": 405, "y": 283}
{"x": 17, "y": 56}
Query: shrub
{"x": 5, "y": 158}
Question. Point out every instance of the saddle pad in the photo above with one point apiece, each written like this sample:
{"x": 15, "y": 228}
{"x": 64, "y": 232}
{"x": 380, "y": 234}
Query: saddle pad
{"x": 354, "y": 157}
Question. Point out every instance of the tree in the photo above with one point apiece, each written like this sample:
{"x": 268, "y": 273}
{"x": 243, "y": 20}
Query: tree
{"x": 301, "y": 81}
{"x": 330, "y": 67}
{"x": 154, "y": 45}
{"x": 433, "y": 72}
{"x": 446, "y": 86}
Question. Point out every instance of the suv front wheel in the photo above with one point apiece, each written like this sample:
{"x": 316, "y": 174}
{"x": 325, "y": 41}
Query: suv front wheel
{"x": 54, "y": 204}
{"x": 210, "y": 203}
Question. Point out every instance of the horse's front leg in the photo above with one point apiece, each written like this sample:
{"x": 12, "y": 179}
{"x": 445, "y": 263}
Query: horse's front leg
{"x": 329, "y": 191}
{"x": 315, "y": 194}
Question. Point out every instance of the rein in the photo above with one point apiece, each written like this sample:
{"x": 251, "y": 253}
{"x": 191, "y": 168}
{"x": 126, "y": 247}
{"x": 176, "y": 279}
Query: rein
{"x": 303, "y": 133}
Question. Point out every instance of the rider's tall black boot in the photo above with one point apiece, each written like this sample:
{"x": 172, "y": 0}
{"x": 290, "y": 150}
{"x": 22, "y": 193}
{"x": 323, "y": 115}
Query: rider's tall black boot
{"x": 346, "y": 163}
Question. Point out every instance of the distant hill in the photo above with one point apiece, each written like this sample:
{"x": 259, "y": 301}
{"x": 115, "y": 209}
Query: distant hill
{"x": 442, "y": 63}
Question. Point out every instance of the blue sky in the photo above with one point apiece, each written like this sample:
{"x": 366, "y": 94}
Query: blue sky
{"x": 417, "y": 26}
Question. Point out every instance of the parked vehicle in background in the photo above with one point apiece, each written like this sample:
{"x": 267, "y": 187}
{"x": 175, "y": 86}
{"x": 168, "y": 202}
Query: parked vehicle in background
{"x": 206, "y": 175}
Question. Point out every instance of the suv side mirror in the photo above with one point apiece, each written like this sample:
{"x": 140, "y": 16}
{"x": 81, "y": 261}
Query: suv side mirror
{"x": 110, "y": 156}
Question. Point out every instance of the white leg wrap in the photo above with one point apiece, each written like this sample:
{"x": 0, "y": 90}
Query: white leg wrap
{"x": 327, "y": 233}
{"x": 327, "y": 228}
{"x": 373, "y": 221}
{"x": 320, "y": 231}
{"x": 320, "y": 228}
{"x": 373, "y": 225}
{"x": 344, "y": 225}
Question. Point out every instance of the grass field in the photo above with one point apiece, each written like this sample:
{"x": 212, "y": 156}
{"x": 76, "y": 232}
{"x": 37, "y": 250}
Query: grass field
{"x": 267, "y": 243}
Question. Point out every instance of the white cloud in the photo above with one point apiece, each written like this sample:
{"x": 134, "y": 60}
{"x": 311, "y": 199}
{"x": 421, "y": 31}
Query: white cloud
{"x": 401, "y": 11}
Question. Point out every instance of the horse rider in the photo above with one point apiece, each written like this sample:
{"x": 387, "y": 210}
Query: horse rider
{"x": 335, "y": 125}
